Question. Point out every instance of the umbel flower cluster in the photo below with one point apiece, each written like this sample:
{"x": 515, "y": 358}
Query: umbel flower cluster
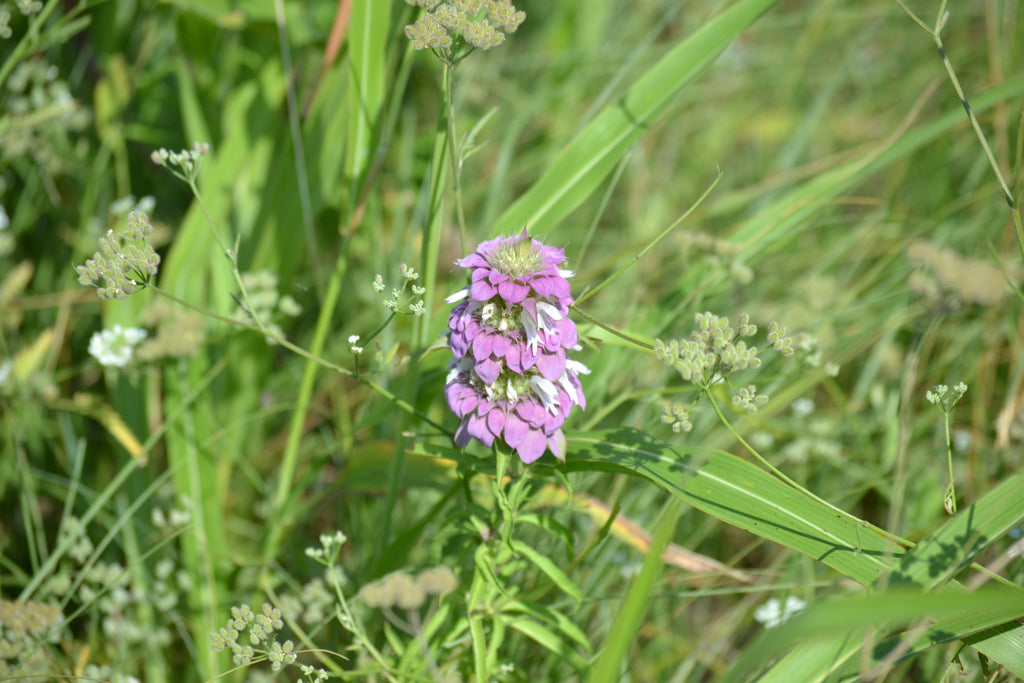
{"x": 125, "y": 262}
{"x": 511, "y": 378}
{"x": 454, "y": 27}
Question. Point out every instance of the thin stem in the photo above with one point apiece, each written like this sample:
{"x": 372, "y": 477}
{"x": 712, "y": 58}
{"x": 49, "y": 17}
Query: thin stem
{"x": 448, "y": 86}
{"x": 231, "y": 254}
{"x": 404, "y": 405}
{"x": 778, "y": 473}
{"x": 610, "y": 329}
{"x": 348, "y": 621}
{"x": 940, "y": 22}
{"x": 664, "y": 233}
{"x": 950, "y": 497}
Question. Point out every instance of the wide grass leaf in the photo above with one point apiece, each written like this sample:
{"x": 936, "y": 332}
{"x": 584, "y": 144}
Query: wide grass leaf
{"x": 583, "y": 164}
{"x": 742, "y": 494}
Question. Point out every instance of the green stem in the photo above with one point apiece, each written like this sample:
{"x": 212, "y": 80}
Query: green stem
{"x": 404, "y": 405}
{"x": 456, "y": 159}
{"x": 664, "y": 233}
{"x": 949, "y": 459}
{"x": 231, "y": 254}
{"x": 612, "y": 330}
{"x": 778, "y": 473}
{"x": 935, "y": 33}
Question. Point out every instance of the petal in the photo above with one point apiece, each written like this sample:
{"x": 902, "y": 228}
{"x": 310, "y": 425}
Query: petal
{"x": 516, "y": 430}
{"x": 533, "y": 447}
{"x": 496, "y": 421}
{"x": 462, "y": 437}
{"x": 569, "y": 336}
{"x": 542, "y": 285}
{"x": 532, "y": 411}
{"x": 474, "y": 260}
{"x": 488, "y": 370}
{"x": 500, "y": 345}
{"x": 551, "y": 365}
{"x": 482, "y": 346}
{"x": 514, "y": 359}
{"x": 477, "y": 428}
{"x": 557, "y": 444}
{"x": 481, "y": 290}
{"x": 512, "y": 292}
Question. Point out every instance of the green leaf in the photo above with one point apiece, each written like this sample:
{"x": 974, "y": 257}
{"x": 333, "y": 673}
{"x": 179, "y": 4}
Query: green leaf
{"x": 577, "y": 171}
{"x": 627, "y": 620}
{"x": 546, "y": 637}
{"x": 741, "y": 494}
{"x": 543, "y": 563}
{"x": 833, "y": 633}
{"x": 553, "y": 617}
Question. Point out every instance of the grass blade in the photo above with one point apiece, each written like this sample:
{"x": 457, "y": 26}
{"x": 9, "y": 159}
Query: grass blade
{"x": 579, "y": 168}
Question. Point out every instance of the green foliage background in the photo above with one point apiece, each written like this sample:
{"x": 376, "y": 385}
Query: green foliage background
{"x": 856, "y": 205}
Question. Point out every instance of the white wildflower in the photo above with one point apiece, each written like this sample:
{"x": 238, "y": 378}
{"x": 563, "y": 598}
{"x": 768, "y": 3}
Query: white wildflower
{"x": 773, "y": 613}
{"x": 114, "y": 347}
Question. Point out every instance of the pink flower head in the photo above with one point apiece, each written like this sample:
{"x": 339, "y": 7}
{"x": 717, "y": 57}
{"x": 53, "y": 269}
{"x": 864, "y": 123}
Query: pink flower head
{"x": 511, "y": 378}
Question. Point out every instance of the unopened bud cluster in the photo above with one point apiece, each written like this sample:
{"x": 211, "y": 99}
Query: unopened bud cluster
{"x": 453, "y": 28}
{"x": 946, "y": 397}
{"x": 711, "y": 354}
{"x": 184, "y": 164}
{"x": 396, "y": 300}
{"x": 713, "y": 350}
{"x": 261, "y": 628}
{"x": 125, "y": 262}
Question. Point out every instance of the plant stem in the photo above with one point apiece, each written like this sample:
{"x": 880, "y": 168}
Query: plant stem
{"x": 778, "y": 473}
{"x": 453, "y": 153}
{"x": 664, "y": 233}
{"x": 404, "y": 405}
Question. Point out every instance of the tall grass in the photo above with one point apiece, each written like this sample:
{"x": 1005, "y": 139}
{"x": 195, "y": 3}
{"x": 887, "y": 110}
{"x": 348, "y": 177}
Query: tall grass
{"x": 853, "y": 202}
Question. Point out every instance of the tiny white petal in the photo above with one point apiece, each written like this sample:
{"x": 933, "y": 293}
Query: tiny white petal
{"x": 546, "y": 391}
{"x": 458, "y": 296}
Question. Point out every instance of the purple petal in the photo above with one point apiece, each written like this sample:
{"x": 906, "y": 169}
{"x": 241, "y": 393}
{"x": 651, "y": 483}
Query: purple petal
{"x": 551, "y": 365}
{"x": 482, "y": 346}
{"x": 477, "y": 428}
{"x": 516, "y": 430}
{"x": 556, "y": 442}
{"x": 496, "y": 421}
{"x": 543, "y": 286}
{"x": 567, "y": 328}
{"x": 481, "y": 290}
{"x": 462, "y": 437}
{"x": 531, "y": 410}
{"x": 472, "y": 261}
{"x": 514, "y": 359}
{"x": 500, "y": 345}
{"x": 512, "y": 292}
{"x": 488, "y": 370}
{"x": 532, "y": 447}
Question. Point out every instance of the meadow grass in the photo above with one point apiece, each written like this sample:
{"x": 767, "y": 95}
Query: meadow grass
{"x": 201, "y": 488}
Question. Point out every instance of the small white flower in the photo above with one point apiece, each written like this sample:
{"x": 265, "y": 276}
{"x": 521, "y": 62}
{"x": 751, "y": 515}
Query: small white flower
{"x": 114, "y": 347}
{"x": 773, "y": 613}
{"x": 802, "y": 407}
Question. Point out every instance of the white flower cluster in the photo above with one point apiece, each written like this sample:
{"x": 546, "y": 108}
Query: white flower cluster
{"x": 773, "y": 612}
{"x": 114, "y": 347}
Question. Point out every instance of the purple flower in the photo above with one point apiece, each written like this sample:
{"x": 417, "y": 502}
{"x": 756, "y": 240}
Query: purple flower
{"x": 511, "y": 378}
